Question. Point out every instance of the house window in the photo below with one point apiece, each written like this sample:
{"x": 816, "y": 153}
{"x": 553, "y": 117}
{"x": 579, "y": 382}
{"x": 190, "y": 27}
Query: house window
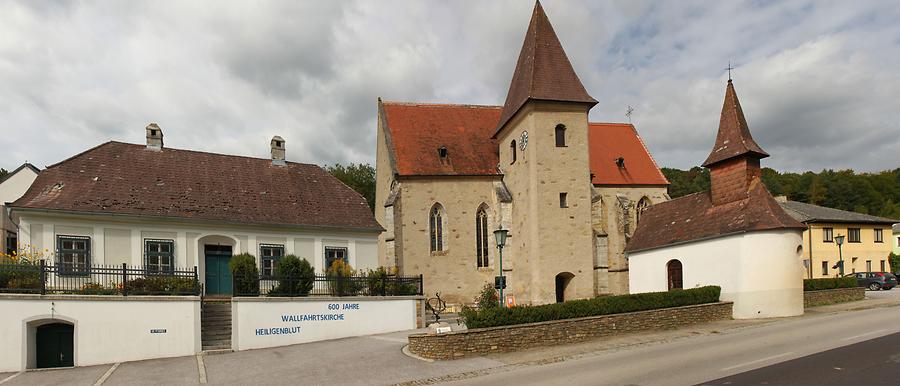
{"x": 879, "y": 236}
{"x": 563, "y": 200}
{"x": 827, "y": 235}
{"x": 853, "y": 235}
{"x": 882, "y": 266}
{"x": 12, "y": 243}
{"x": 159, "y": 255}
{"x": 824, "y": 268}
{"x": 73, "y": 255}
{"x": 675, "y": 275}
{"x": 436, "y": 228}
{"x": 642, "y": 205}
{"x": 560, "y": 135}
{"x": 481, "y": 238}
{"x": 333, "y": 254}
{"x": 512, "y": 152}
{"x": 269, "y": 254}
{"x": 868, "y": 265}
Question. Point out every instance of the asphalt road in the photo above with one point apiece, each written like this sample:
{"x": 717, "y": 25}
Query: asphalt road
{"x": 873, "y": 362}
{"x": 704, "y": 358}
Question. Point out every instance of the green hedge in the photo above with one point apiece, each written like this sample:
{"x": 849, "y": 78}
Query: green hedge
{"x": 492, "y": 317}
{"x": 829, "y": 283}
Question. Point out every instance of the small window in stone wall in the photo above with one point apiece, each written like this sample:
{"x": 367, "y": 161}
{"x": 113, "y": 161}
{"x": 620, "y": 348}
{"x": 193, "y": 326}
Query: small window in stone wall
{"x": 563, "y": 200}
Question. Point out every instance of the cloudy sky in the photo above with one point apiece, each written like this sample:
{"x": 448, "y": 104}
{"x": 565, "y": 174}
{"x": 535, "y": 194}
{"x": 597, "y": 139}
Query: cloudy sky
{"x": 818, "y": 80}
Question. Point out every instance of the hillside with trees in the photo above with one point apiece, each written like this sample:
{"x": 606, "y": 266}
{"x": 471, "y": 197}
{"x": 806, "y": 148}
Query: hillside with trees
{"x": 871, "y": 193}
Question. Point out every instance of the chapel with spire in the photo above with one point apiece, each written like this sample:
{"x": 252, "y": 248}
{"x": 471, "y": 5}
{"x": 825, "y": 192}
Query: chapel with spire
{"x": 735, "y": 235}
{"x": 569, "y": 191}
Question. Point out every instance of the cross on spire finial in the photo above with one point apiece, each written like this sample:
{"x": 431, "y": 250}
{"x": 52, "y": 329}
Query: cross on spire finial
{"x": 729, "y": 68}
{"x": 628, "y": 112}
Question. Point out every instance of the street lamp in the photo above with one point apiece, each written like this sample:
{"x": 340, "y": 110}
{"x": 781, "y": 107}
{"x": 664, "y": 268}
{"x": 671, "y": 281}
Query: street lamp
{"x": 500, "y": 283}
{"x": 839, "y": 240}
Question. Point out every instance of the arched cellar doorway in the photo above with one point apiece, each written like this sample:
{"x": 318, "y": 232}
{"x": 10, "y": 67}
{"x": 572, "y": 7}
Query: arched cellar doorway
{"x": 54, "y": 345}
{"x": 562, "y": 286}
{"x": 675, "y": 275}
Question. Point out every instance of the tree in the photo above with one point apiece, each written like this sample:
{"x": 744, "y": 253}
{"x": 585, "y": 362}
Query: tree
{"x": 3, "y": 173}
{"x": 359, "y": 177}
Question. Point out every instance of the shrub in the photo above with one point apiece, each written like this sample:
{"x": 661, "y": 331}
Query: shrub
{"x": 341, "y": 281}
{"x": 20, "y": 274}
{"x": 829, "y": 283}
{"x": 245, "y": 274}
{"x": 97, "y": 289}
{"x": 488, "y": 297}
{"x": 501, "y": 316}
{"x": 381, "y": 282}
{"x": 152, "y": 285}
{"x": 295, "y": 277}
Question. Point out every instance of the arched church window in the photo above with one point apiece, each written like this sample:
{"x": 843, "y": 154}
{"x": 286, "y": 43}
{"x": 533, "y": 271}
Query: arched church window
{"x": 481, "y": 237}
{"x": 512, "y": 152}
{"x": 675, "y": 275}
{"x": 560, "y": 135}
{"x": 436, "y": 227}
{"x": 642, "y": 205}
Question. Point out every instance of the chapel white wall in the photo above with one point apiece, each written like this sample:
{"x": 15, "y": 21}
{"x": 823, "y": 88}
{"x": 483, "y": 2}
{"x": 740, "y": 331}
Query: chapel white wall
{"x": 759, "y": 271}
{"x": 108, "y": 329}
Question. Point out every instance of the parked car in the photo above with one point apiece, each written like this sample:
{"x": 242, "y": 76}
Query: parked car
{"x": 875, "y": 280}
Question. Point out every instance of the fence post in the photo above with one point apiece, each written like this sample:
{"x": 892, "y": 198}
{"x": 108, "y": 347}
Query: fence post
{"x": 124, "y": 279}
{"x": 384, "y": 285}
{"x": 421, "y": 284}
{"x": 196, "y": 282}
{"x": 43, "y": 277}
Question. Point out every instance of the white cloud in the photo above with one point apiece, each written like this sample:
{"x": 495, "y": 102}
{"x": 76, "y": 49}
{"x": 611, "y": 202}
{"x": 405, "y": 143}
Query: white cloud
{"x": 816, "y": 79}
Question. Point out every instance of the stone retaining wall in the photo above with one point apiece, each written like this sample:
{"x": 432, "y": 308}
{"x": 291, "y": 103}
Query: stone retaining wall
{"x": 523, "y": 336}
{"x": 833, "y": 296}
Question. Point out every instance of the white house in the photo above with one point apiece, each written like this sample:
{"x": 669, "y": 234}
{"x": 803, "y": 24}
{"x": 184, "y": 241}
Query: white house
{"x": 153, "y": 206}
{"x": 12, "y": 187}
{"x": 735, "y": 235}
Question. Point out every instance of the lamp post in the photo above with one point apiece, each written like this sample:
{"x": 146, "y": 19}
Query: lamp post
{"x": 500, "y": 236}
{"x": 839, "y": 240}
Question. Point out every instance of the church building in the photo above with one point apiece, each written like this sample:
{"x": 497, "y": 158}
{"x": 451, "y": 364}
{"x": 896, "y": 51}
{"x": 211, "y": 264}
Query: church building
{"x": 735, "y": 235}
{"x": 569, "y": 191}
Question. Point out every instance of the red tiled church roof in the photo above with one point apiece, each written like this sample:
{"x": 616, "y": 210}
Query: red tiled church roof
{"x": 543, "y": 70}
{"x": 125, "y": 179}
{"x": 733, "y": 138}
{"x": 417, "y": 131}
{"x": 609, "y": 141}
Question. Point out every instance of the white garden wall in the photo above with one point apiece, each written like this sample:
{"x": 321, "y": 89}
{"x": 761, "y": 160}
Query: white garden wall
{"x": 270, "y": 322}
{"x": 108, "y": 329}
{"x": 761, "y": 272}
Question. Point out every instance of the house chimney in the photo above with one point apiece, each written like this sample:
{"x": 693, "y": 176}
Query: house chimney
{"x": 154, "y": 137}
{"x": 278, "y": 150}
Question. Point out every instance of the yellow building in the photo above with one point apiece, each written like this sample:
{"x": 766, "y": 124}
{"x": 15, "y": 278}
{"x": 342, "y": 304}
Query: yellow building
{"x": 866, "y": 239}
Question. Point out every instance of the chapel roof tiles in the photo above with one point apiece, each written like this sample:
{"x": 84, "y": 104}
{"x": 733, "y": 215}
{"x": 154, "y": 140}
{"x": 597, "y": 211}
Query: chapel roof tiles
{"x": 543, "y": 70}
{"x": 117, "y": 178}
{"x": 733, "y": 138}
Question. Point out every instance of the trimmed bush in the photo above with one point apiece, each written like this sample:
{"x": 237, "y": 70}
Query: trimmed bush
{"x": 245, "y": 273}
{"x": 498, "y": 316}
{"x": 829, "y": 283}
{"x": 295, "y": 277}
{"x": 381, "y": 282}
{"x": 342, "y": 280}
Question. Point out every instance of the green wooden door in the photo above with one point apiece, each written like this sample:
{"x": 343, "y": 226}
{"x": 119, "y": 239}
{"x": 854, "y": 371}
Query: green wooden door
{"x": 218, "y": 275}
{"x": 55, "y": 346}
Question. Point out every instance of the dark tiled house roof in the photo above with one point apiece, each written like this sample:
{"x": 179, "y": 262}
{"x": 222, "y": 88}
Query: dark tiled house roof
{"x": 806, "y": 213}
{"x": 694, "y": 217}
{"x": 124, "y": 179}
{"x": 543, "y": 71}
{"x": 733, "y": 138}
{"x": 418, "y": 130}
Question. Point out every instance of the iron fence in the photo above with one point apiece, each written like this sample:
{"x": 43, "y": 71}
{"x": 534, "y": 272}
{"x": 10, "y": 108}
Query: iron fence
{"x": 327, "y": 285}
{"x": 48, "y": 277}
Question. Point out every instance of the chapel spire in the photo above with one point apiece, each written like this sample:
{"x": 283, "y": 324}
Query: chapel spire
{"x": 543, "y": 70}
{"x": 734, "y": 139}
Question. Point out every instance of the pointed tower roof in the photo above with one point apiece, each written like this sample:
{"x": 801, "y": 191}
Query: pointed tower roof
{"x": 543, "y": 70}
{"x": 734, "y": 137}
